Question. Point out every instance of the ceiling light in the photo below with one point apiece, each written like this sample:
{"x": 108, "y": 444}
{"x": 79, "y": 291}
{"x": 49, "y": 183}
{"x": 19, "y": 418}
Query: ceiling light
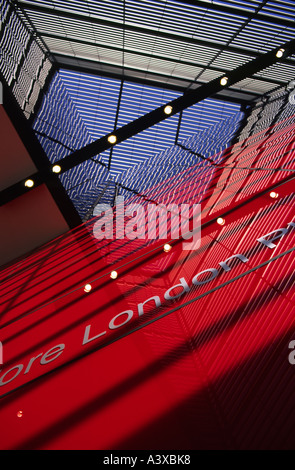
{"x": 114, "y": 275}
{"x": 56, "y": 168}
{"x": 87, "y": 288}
{"x": 29, "y": 183}
{"x": 223, "y": 81}
{"x": 273, "y": 195}
{"x": 168, "y": 109}
{"x": 112, "y": 139}
{"x": 220, "y": 221}
{"x": 167, "y": 247}
{"x": 280, "y": 53}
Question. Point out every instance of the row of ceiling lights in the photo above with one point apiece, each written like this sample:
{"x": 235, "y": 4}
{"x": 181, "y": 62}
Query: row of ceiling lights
{"x": 114, "y": 274}
{"x": 167, "y": 247}
{"x": 29, "y": 183}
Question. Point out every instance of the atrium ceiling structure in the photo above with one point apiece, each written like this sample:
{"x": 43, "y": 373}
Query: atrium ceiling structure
{"x": 113, "y": 65}
{"x": 118, "y": 331}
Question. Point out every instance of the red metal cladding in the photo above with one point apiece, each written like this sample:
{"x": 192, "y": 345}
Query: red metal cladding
{"x": 184, "y": 349}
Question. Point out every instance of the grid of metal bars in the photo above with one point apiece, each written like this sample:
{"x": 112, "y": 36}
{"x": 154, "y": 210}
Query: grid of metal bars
{"x": 169, "y": 44}
{"x": 78, "y": 108}
{"x": 103, "y": 104}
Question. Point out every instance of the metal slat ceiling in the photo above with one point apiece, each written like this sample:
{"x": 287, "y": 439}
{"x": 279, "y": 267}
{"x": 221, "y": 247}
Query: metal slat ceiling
{"x": 121, "y": 59}
{"x": 171, "y": 39}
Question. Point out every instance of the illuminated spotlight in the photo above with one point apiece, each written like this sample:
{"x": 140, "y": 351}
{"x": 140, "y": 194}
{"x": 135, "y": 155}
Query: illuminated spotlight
{"x": 112, "y": 139}
{"x": 168, "y": 109}
{"x": 220, "y": 221}
{"x": 223, "y": 81}
{"x": 19, "y": 414}
{"x": 280, "y": 53}
{"x": 273, "y": 195}
{"x": 56, "y": 169}
{"x": 29, "y": 183}
{"x": 167, "y": 247}
{"x": 87, "y": 288}
{"x": 114, "y": 275}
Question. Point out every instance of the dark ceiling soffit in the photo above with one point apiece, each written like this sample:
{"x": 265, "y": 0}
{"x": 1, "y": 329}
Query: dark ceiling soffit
{"x": 155, "y": 116}
{"x": 39, "y": 158}
{"x": 141, "y": 30}
{"x": 152, "y": 79}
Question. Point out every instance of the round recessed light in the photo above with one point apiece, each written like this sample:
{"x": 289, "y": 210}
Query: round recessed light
{"x": 29, "y": 183}
{"x": 114, "y": 275}
{"x": 167, "y": 247}
{"x": 112, "y": 139}
{"x": 223, "y": 81}
{"x": 56, "y": 169}
{"x": 168, "y": 109}
{"x": 273, "y": 195}
{"x": 220, "y": 221}
{"x": 87, "y": 288}
{"x": 280, "y": 53}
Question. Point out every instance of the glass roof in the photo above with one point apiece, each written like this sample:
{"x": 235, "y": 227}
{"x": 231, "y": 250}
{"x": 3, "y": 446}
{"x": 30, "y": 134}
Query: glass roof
{"x": 112, "y": 62}
{"x": 79, "y": 108}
